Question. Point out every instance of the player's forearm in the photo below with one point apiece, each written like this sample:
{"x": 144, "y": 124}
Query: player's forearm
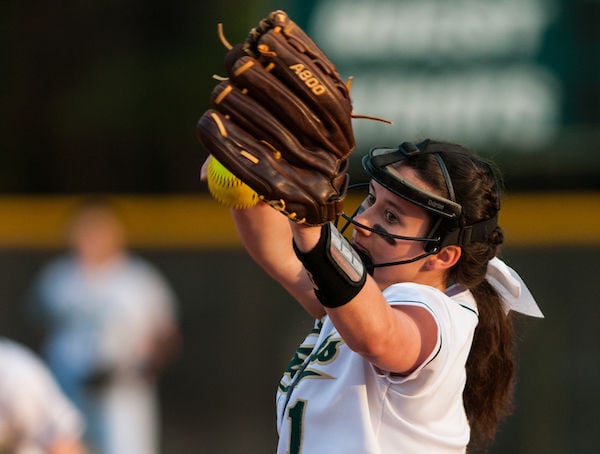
{"x": 384, "y": 336}
{"x": 264, "y": 233}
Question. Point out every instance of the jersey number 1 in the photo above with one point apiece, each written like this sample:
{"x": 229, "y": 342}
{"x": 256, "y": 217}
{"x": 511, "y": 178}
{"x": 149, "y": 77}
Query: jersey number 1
{"x": 296, "y": 417}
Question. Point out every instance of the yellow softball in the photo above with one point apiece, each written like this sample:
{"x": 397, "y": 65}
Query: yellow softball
{"x": 227, "y": 189}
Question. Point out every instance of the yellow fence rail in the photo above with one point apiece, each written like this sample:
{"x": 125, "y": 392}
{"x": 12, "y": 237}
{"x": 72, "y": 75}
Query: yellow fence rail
{"x": 196, "y": 221}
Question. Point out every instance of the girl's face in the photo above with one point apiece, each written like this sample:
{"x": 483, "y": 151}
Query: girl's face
{"x": 383, "y": 210}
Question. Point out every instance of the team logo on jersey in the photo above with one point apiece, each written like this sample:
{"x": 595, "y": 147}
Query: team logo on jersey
{"x": 306, "y": 356}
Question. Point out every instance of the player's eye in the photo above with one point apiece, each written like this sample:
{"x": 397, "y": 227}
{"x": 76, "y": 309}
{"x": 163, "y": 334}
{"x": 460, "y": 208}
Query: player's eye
{"x": 369, "y": 200}
{"x": 390, "y": 217}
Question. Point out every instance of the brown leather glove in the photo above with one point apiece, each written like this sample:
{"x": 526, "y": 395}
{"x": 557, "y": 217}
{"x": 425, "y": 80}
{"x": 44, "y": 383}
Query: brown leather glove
{"x": 282, "y": 122}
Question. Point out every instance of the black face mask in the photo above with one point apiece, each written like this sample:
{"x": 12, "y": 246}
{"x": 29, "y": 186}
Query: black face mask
{"x": 380, "y": 164}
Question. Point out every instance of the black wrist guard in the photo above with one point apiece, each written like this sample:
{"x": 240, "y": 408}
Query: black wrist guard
{"x": 334, "y": 267}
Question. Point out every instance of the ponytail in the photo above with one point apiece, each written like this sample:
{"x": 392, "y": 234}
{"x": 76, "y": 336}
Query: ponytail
{"x": 488, "y": 394}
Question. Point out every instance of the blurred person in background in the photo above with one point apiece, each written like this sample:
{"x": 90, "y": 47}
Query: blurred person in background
{"x": 35, "y": 416}
{"x": 110, "y": 319}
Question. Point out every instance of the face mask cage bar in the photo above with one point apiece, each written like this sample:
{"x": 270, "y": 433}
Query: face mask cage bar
{"x": 350, "y": 219}
{"x": 430, "y": 242}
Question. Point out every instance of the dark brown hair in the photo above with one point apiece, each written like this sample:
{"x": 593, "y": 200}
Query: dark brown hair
{"x": 490, "y": 366}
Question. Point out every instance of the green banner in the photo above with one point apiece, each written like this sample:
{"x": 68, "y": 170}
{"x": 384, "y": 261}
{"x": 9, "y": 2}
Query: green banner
{"x": 514, "y": 79}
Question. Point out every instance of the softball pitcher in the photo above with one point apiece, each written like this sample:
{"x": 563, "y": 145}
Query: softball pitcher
{"x": 411, "y": 349}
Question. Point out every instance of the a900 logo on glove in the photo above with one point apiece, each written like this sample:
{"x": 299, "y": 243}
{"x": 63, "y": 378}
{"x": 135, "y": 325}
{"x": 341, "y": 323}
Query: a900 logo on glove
{"x": 308, "y": 78}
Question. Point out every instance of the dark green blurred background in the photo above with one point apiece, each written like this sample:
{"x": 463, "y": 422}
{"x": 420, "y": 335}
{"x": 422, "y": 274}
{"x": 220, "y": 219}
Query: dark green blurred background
{"x": 104, "y": 97}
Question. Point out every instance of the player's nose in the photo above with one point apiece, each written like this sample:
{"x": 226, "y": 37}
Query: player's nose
{"x": 362, "y": 223}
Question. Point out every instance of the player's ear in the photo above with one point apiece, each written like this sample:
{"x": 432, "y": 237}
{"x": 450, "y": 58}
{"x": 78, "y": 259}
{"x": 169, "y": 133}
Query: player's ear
{"x": 445, "y": 259}
{"x": 449, "y": 255}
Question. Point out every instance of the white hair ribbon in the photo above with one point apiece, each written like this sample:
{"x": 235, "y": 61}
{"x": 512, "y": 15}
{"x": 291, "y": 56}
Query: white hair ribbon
{"x": 511, "y": 288}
